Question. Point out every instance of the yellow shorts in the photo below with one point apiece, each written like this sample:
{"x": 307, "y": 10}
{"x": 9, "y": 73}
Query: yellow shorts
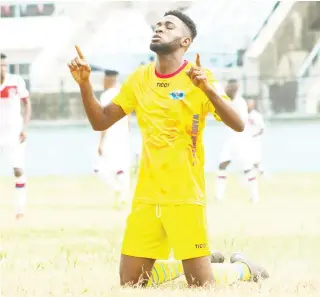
{"x": 153, "y": 230}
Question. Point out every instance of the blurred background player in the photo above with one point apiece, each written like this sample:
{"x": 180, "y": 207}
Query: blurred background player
{"x": 113, "y": 160}
{"x": 256, "y": 127}
{"x": 13, "y": 92}
{"x": 237, "y": 148}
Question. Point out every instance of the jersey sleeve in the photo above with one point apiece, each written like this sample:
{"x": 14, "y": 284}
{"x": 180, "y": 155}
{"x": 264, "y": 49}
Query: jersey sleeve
{"x": 218, "y": 87}
{"x": 22, "y": 89}
{"x": 126, "y": 98}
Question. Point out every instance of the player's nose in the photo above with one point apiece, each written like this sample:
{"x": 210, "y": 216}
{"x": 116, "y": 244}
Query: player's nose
{"x": 159, "y": 30}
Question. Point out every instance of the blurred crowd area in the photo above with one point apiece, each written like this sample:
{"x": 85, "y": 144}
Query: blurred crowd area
{"x": 271, "y": 47}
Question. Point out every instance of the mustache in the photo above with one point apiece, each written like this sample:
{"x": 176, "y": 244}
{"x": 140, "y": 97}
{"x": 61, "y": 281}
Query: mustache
{"x": 167, "y": 47}
{"x": 174, "y": 42}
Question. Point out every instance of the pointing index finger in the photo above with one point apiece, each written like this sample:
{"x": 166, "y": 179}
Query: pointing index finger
{"x": 80, "y": 54}
{"x": 198, "y": 61}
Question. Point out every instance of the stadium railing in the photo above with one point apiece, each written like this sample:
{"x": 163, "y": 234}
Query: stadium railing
{"x": 277, "y": 96}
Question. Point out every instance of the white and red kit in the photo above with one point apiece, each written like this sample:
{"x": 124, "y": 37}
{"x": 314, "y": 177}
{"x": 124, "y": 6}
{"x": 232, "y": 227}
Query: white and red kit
{"x": 12, "y": 91}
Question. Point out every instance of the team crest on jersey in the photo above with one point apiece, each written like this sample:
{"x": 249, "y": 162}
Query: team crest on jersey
{"x": 177, "y": 95}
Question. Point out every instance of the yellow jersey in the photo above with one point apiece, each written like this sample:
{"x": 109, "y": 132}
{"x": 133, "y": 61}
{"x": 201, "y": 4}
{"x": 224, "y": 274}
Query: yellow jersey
{"x": 171, "y": 114}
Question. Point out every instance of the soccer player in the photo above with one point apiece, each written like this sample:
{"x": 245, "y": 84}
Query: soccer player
{"x": 113, "y": 160}
{"x": 256, "y": 128}
{"x": 13, "y": 129}
{"x": 237, "y": 148}
{"x": 172, "y": 98}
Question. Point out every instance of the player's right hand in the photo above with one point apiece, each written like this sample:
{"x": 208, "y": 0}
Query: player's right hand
{"x": 79, "y": 68}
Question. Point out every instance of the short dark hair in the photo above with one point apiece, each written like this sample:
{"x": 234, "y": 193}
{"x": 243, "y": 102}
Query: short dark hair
{"x": 109, "y": 72}
{"x": 186, "y": 20}
{"x": 3, "y": 56}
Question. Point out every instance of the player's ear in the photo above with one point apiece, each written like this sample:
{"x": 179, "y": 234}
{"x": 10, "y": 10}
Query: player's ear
{"x": 185, "y": 42}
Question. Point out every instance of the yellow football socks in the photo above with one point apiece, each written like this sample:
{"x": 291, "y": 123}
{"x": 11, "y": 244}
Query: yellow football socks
{"x": 228, "y": 274}
{"x": 164, "y": 271}
{"x": 246, "y": 275}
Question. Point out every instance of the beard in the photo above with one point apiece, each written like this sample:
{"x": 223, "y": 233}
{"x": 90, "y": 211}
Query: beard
{"x": 165, "y": 48}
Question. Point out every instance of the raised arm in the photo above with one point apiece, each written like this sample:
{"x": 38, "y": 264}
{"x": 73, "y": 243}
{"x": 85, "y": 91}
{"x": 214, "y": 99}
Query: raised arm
{"x": 225, "y": 110}
{"x": 100, "y": 118}
{"x": 223, "y": 107}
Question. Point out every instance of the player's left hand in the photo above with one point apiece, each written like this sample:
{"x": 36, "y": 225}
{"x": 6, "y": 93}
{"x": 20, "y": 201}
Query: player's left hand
{"x": 198, "y": 75}
{"x": 23, "y": 136}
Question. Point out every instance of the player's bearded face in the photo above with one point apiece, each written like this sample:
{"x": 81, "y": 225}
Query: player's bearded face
{"x": 166, "y": 47}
